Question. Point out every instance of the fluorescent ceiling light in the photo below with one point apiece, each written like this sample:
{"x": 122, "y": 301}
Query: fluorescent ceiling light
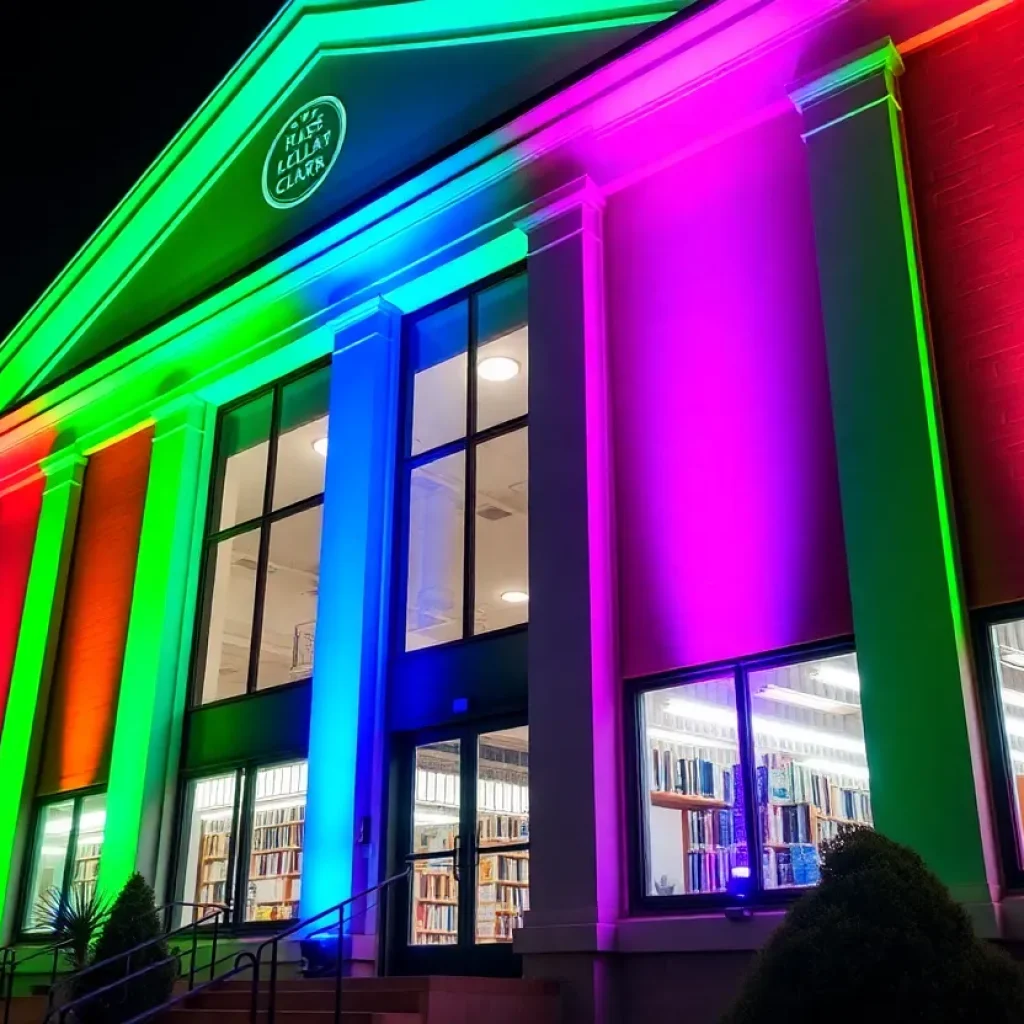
{"x": 717, "y": 714}
{"x": 320, "y": 446}
{"x": 1012, "y": 698}
{"x": 800, "y": 699}
{"x": 498, "y": 368}
{"x": 515, "y": 597}
{"x": 837, "y": 675}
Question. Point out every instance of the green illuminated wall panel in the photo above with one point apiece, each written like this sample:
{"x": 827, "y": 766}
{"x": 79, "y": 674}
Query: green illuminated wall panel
{"x": 905, "y": 585}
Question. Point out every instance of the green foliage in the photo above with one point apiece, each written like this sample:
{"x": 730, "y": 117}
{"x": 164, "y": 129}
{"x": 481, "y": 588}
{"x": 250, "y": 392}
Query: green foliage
{"x": 133, "y": 921}
{"x": 879, "y": 941}
{"x": 73, "y": 919}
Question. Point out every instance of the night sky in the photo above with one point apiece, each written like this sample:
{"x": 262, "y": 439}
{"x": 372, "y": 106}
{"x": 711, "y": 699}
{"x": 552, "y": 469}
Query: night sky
{"x": 90, "y": 93}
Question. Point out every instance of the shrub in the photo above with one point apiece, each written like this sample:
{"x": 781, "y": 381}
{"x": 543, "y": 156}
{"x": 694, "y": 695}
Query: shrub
{"x": 133, "y": 920}
{"x": 73, "y": 919}
{"x": 880, "y": 940}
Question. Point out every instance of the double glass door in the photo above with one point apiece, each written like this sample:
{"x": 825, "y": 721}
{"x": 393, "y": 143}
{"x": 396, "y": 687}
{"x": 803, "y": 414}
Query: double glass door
{"x": 467, "y": 803}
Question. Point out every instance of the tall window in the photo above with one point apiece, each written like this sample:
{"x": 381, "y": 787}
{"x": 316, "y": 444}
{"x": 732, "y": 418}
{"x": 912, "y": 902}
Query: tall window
{"x": 263, "y": 547}
{"x": 243, "y": 842}
{"x": 466, "y": 467}
{"x": 1005, "y": 720}
{"x": 65, "y": 855}
{"x": 745, "y": 774}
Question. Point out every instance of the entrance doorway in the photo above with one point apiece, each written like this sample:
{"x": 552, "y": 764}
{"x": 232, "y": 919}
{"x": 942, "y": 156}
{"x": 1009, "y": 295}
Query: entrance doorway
{"x": 465, "y": 814}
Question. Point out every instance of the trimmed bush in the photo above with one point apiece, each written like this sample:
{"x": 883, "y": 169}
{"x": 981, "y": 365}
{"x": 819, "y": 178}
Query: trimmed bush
{"x": 133, "y": 921}
{"x": 880, "y": 940}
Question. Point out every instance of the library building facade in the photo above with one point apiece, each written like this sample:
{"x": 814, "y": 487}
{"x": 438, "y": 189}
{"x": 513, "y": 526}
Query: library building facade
{"x": 566, "y": 454}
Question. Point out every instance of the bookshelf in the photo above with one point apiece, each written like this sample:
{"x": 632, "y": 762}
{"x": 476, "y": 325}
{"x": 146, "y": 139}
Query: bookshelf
{"x": 275, "y": 862}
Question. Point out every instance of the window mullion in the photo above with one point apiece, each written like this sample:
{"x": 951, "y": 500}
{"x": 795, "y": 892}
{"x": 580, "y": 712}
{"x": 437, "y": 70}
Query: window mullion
{"x": 263, "y": 560}
{"x": 749, "y": 774}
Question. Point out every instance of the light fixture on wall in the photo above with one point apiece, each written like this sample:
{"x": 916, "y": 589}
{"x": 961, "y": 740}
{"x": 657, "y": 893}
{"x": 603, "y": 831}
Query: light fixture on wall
{"x": 515, "y": 597}
{"x": 320, "y": 446}
{"x": 498, "y": 368}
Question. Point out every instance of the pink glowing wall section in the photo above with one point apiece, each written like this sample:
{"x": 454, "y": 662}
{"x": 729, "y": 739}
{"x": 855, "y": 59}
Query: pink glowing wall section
{"x": 729, "y": 525}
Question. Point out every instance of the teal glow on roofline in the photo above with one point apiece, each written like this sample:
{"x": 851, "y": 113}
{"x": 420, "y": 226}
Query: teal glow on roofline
{"x": 185, "y": 171}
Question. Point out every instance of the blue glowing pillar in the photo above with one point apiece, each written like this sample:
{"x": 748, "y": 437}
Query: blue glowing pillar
{"x": 345, "y": 751}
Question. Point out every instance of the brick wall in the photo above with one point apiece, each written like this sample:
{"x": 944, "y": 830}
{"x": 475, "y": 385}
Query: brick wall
{"x": 964, "y": 104}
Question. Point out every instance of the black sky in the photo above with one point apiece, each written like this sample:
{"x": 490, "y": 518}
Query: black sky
{"x": 90, "y": 93}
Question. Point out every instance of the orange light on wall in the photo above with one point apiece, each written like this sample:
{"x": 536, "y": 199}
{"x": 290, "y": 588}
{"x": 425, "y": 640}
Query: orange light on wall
{"x": 87, "y": 675}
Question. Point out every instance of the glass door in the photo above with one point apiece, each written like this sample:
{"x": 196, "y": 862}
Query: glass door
{"x": 467, "y": 811}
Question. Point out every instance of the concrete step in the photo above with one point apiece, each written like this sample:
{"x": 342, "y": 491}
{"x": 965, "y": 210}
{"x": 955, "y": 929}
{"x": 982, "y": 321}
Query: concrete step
{"x": 393, "y": 1000}
{"x": 290, "y": 1016}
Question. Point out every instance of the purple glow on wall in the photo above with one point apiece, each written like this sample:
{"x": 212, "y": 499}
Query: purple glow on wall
{"x": 729, "y": 524}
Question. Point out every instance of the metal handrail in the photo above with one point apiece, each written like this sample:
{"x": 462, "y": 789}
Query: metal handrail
{"x": 301, "y": 926}
{"x": 9, "y": 962}
{"x": 127, "y": 955}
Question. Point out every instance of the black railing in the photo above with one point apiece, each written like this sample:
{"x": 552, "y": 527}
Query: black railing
{"x": 193, "y": 929}
{"x": 10, "y": 964}
{"x": 334, "y": 918}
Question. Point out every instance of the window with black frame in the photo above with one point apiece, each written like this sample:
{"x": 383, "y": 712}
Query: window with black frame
{"x": 746, "y": 772}
{"x": 65, "y": 856}
{"x": 1005, "y": 712}
{"x": 243, "y": 838}
{"x": 262, "y": 565}
{"x": 466, "y": 472}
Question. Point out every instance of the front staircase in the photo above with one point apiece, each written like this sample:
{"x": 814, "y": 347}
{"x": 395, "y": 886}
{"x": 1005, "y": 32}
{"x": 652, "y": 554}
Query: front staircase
{"x": 429, "y": 1000}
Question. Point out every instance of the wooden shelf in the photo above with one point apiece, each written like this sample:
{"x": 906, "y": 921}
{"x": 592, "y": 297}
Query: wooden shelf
{"x": 687, "y": 802}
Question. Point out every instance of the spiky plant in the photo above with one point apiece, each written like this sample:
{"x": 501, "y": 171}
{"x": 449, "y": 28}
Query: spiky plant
{"x": 73, "y": 918}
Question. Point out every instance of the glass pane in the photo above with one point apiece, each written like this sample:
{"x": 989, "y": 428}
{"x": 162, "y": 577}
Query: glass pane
{"x": 209, "y": 831}
{"x": 302, "y": 446}
{"x": 440, "y": 366}
{"x": 1008, "y": 640}
{"x": 433, "y": 920}
{"x": 242, "y": 462}
{"x": 503, "y": 820}
{"x": 289, "y": 610}
{"x": 230, "y": 597}
{"x": 86, "y": 866}
{"x": 437, "y": 513}
{"x": 696, "y": 825}
{"x": 502, "y": 360}
{"x": 435, "y": 818}
{"x": 50, "y": 855}
{"x": 278, "y": 835}
{"x": 812, "y": 770}
{"x": 502, "y": 554}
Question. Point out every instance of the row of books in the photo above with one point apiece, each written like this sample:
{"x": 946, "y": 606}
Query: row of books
{"x": 782, "y": 780}
{"x": 692, "y": 776}
{"x": 708, "y": 829}
{"x": 433, "y": 917}
{"x": 436, "y": 886}
{"x": 709, "y": 870}
{"x": 285, "y": 862}
{"x": 789, "y": 823}
{"x": 796, "y": 865}
{"x": 504, "y": 826}
{"x": 274, "y": 837}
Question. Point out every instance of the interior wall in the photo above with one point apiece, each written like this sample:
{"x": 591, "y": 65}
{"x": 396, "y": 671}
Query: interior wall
{"x": 90, "y": 653}
{"x": 963, "y": 99}
{"x": 729, "y": 525}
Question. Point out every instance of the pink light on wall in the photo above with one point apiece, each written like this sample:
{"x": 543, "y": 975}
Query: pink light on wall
{"x": 729, "y": 525}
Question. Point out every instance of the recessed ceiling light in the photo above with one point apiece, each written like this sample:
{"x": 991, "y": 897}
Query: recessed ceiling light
{"x": 515, "y": 597}
{"x": 498, "y": 368}
{"x": 320, "y": 446}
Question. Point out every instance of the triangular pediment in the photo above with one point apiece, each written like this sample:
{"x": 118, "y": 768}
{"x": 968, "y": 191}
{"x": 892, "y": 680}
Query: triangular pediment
{"x": 335, "y": 104}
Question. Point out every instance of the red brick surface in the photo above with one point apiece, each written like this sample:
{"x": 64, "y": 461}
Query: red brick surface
{"x": 964, "y": 103}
